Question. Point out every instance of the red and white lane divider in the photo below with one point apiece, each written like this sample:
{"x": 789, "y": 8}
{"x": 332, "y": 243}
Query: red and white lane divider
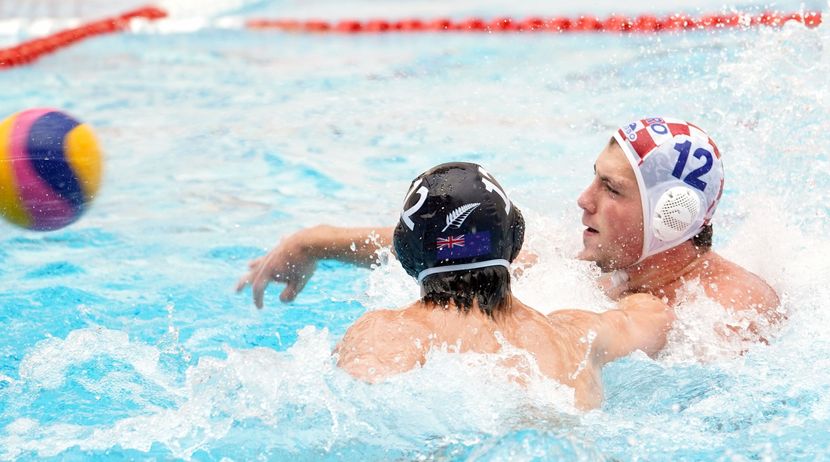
{"x": 613, "y": 23}
{"x": 28, "y": 51}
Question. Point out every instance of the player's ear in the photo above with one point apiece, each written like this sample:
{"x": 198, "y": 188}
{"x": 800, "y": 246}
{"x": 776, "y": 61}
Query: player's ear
{"x": 518, "y": 228}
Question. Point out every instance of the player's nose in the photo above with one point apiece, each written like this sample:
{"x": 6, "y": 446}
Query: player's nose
{"x": 586, "y": 200}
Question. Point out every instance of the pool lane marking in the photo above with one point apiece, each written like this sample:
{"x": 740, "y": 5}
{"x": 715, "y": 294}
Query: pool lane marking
{"x": 27, "y": 52}
{"x": 30, "y": 50}
{"x": 613, "y": 24}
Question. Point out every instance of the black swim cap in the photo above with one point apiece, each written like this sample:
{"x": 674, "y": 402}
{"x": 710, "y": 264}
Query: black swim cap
{"x": 457, "y": 217}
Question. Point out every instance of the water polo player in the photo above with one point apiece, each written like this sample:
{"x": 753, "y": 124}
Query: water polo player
{"x": 457, "y": 235}
{"x": 648, "y": 215}
{"x": 638, "y": 252}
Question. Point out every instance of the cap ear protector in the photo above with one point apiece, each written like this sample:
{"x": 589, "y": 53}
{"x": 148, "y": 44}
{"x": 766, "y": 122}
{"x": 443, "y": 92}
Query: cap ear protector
{"x": 518, "y": 229}
{"x": 675, "y": 212}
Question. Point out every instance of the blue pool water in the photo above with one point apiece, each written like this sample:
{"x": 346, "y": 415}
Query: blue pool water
{"x": 122, "y": 337}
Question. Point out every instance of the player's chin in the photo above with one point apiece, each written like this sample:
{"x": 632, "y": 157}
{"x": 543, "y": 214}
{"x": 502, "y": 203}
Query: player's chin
{"x": 586, "y": 254}
{"x": 590, "y": 255}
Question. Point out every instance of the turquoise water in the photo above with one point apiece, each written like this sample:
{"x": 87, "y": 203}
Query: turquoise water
{"x": 123, "y": 338}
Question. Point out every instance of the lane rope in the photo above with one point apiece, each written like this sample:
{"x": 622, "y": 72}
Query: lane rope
{"x": 30, "y": 50}
{"x": 612, "y": 24}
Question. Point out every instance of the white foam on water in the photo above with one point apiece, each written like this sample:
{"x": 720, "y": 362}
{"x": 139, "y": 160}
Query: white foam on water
{"x": 299, "y": 397}
{"x": 704, "y": 331}
{"x": 46, "y": 365}
{"x": 556, "y": 280}
{"x": 389, "y": 286}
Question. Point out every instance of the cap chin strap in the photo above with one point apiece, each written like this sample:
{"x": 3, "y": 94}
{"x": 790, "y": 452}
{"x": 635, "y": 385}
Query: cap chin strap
{"x": 461, "y": 267}
{"x": 641, "y": 185}
{"x": 677, "y": 199}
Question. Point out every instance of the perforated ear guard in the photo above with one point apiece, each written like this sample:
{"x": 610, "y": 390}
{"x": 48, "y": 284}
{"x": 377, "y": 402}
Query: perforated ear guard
{"x": 675, "y": 212}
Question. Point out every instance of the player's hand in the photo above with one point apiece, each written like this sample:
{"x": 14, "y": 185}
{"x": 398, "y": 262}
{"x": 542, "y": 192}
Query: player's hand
{"x": 291, "y": 263}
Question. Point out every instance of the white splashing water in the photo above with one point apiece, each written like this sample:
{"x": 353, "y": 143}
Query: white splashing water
{"x": 47, "y": 365}
{"x": 299, "y": 396}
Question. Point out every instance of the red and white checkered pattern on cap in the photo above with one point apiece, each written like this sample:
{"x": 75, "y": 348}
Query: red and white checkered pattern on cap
{"x": 645, "y": 135}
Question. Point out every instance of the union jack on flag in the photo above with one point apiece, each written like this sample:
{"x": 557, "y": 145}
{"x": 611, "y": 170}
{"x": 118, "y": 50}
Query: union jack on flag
{"x": 450, "y": 242}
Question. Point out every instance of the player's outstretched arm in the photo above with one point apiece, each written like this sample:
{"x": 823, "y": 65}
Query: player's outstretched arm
{"x": 293, "y": 261}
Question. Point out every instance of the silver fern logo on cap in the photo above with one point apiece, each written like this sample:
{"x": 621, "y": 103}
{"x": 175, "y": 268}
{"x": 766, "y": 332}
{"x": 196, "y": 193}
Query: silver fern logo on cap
{"x": 456, "y": 218}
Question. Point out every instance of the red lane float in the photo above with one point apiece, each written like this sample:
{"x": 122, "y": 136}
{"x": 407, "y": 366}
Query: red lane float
{"x": 30, "y": 50}
{"x": 613, "y": 23}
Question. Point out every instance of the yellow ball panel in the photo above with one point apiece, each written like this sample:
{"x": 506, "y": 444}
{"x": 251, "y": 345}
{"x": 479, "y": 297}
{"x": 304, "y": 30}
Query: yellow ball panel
{"x": 10, "y": 206}
{"x": 84, "y": 157}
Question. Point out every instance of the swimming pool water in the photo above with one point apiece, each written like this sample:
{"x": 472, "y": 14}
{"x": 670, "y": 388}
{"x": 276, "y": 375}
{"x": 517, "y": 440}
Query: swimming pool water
{"x": 122, "y": 337}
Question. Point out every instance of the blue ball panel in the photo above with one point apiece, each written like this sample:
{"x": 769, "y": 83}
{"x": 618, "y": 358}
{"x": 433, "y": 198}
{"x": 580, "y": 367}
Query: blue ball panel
{"x": 46, "y": 151}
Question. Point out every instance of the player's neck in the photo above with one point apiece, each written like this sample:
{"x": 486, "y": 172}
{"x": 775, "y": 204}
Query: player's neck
{"x": 475, "y": 313}
{"x": 661, "y": 272}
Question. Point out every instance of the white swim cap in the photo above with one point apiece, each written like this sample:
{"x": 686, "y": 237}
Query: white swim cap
{"x": 680, "y": 176}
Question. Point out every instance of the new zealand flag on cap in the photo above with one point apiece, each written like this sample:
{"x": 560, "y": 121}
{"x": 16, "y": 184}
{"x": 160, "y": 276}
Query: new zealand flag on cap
{"x": 463, "y": 245}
